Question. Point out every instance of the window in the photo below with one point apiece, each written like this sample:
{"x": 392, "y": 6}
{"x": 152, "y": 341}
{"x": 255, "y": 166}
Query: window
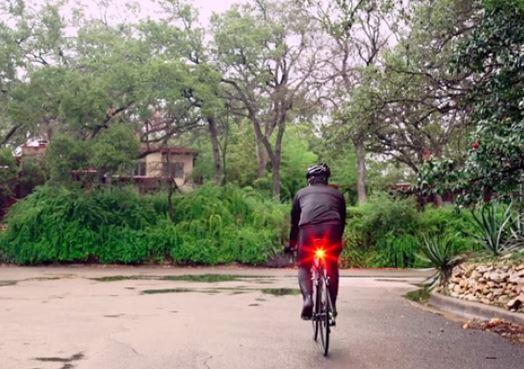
{"x": 175, "y": 170}
{"x": 140, "y": 169}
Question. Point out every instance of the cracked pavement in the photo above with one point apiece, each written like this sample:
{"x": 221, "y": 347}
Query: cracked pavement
{"x": 59, "y": 317}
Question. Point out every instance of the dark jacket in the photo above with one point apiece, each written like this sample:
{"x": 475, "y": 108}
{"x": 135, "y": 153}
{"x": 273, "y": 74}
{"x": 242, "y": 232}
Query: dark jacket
{"x": 316, "y": 204}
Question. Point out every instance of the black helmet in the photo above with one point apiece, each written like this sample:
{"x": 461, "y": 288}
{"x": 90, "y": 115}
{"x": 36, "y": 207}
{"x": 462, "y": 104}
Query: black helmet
{"x": 320, "y": 170}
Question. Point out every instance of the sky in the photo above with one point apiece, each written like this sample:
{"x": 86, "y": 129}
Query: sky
{"x": 117, "y": 9}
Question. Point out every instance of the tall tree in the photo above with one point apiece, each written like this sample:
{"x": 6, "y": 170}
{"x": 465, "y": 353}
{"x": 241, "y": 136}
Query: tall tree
{"x": 356, "y": 33}
{"x": 265, "y": 53}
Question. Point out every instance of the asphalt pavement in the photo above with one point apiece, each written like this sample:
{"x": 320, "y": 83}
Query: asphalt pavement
{"x": 136, "y": 318}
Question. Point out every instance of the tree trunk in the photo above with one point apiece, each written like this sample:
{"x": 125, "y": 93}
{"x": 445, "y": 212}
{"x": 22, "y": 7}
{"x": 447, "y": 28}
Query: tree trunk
{"x": 361, "y": 172}
{"x": 277, "y": 158}
{"x": 262, "y": 154}
{"x": 213, "y": 132}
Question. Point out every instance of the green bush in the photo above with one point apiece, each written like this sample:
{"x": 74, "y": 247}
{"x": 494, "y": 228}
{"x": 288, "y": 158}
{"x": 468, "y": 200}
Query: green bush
{"x": 386, "y": 232}
{"x": 211, "y": 225}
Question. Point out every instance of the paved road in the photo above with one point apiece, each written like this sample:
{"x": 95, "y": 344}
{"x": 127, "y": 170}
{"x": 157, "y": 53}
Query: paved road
{"x": 76, "y": 322}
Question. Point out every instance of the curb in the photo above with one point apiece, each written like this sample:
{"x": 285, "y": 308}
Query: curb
{"x": 472, "y": 310}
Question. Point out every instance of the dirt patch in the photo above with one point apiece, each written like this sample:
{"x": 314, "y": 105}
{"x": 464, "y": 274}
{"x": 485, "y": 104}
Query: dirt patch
{"x": 281, "y": 291}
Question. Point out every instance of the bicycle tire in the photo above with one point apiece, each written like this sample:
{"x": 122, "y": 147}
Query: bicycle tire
{"x": 325, "y": 328}
{"x": 316, "y": 310}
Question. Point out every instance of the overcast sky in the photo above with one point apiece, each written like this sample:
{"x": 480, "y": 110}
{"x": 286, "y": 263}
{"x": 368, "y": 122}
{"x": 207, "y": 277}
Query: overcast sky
{"x": 116, "y": 11}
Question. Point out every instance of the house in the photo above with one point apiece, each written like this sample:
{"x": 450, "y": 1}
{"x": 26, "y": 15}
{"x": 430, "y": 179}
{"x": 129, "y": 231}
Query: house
{"x": 153, "y": 168}
{"x": 171, "y": 162}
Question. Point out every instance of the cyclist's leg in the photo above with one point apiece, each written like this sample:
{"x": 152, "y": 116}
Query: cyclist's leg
{"x": 304, "y": 273}
{"x": 332, "y": 266}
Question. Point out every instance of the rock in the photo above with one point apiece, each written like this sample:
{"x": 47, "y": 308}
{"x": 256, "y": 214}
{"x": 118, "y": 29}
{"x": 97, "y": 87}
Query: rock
{"x": 475, "y": 274}
{"x": 497, "y": 276}
{"x": 514, "y": 278}
{"x": 485, "y": 301}
{"x": 491, "y": 284}
{"x": 515, "y": 303}
{"x": 482, "y": 269}
{"x": 470, "y": 297}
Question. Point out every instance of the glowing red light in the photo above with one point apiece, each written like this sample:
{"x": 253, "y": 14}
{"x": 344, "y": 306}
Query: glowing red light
{"x": 320, "y": 254}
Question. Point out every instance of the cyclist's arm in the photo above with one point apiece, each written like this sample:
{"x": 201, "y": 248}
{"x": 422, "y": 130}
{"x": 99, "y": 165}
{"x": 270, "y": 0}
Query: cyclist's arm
{"x": 295, "y": 218}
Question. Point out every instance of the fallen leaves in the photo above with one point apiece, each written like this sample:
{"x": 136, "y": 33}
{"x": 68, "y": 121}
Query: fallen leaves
{"x": 502, "y": 327}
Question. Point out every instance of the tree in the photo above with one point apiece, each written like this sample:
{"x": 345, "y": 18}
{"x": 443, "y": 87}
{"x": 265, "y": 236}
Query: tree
{"x": 114, "y": 151}
{"x": 491, "y": 57}
{"x": 265, "y": 53}
{"x": 28, "y": 41}
{"x": 357, "y": 32}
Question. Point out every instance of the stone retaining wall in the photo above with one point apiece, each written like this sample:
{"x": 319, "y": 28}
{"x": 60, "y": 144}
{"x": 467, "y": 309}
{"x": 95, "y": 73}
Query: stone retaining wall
{"x": 498, "y": 283}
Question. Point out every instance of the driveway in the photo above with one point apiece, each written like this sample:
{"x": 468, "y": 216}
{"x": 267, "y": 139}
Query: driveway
{"x": 159, "y": 318}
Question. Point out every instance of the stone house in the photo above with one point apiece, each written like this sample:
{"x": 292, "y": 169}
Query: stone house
{"x": 172, "y": 162}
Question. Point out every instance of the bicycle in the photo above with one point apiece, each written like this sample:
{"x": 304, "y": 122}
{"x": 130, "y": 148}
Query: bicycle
{"x": 323, "y": 318}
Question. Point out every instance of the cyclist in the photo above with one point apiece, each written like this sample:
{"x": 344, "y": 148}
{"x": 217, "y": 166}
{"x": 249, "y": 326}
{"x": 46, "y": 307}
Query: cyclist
{"x": 318, "y": 213}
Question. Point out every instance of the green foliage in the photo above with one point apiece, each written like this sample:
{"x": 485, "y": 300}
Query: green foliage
{"x": 115, "y": 149}
{"x": 8, "y": 172}
{"x": 116, "y": 225}
{"x": 296, "y": 157}
{"x": 386, "y": 232}
{"x": 31, "y": 174}
{"x": 65, "y": 154}
{"x": 491, "y": 227}
{"x": 439, "y": 252}
{"x": 491, "y": 55}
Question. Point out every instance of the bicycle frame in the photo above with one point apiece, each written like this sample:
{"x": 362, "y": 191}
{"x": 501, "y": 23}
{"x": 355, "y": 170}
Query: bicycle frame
{"x": 322, "y": 318}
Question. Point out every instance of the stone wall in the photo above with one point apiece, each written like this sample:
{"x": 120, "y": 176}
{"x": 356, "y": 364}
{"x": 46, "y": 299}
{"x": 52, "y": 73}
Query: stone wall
{"x": 498, "y": 283}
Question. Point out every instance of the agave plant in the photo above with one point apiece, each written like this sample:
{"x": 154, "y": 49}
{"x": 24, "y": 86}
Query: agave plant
{"x": 515, "y": 241}
{"x": 441, "y": 255}
{"x": 491, "y": 228}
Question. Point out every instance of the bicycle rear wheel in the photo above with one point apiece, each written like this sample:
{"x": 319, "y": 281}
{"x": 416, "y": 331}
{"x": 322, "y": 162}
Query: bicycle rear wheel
{"x": 324, "y": 316}
{"x": 316, "y": 308}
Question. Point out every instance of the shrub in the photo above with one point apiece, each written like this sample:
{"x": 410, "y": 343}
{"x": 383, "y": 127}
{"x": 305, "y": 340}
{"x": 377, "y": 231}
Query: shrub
{"x": 385, "y": 232}
{"x": 491, "y": 227}
{"x": 211, "y": 225}
{"x": 441, "y": 255}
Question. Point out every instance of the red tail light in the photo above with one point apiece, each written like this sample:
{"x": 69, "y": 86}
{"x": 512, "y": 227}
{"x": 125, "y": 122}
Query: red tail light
{"x": 320, "y": 254}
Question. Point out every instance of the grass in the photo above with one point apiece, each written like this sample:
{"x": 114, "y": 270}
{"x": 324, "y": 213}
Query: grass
{"x": 7, "y": 283}
{"x": 167, "y": 290}
{"x": 115, "y": 278}
{"x": 208, "y": 278}
{"x": 231, "y": 290}
{"x": 281, "y": 291}
{"x": 204, "y": 278}
{"x": 420, "y": 296}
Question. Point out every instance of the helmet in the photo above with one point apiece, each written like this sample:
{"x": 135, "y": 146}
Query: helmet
{"x": 320, "y": 170}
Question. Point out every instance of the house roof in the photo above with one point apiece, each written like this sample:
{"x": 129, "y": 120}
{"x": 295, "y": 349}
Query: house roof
{"x": 178, "y": 150}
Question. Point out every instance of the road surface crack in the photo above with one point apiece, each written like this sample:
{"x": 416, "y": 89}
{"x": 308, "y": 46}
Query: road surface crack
{"x": 206, "y": 360}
